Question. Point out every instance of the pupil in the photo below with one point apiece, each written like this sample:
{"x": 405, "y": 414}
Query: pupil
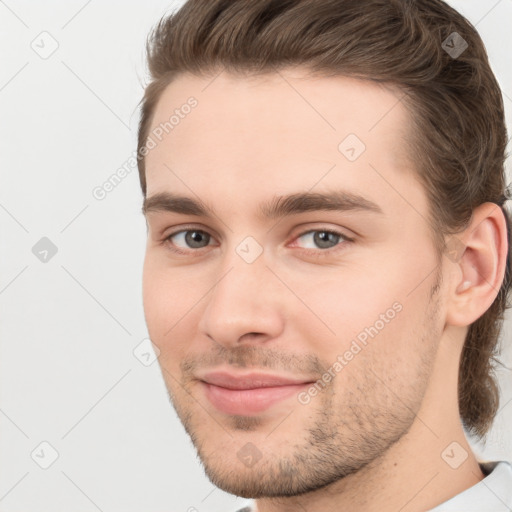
{"x": 194, "y": 237}
{"x": 322, "y": 237}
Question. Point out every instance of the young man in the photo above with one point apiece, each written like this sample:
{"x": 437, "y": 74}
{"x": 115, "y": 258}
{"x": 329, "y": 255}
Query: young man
{"x": 327, "y": 259}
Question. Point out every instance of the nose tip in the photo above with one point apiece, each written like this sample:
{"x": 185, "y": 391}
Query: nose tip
{"x": 242, "y": 308}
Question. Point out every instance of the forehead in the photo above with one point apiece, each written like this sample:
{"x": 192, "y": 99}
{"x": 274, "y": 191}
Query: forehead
{"x": 277, "y": 132}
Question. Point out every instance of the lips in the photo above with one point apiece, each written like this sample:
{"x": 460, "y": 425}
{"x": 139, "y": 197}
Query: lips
{"x": 250, "y": 381}
{"x": 249, "y": 394}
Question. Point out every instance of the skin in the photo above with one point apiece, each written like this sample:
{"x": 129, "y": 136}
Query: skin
{"x": 373, "y": 438}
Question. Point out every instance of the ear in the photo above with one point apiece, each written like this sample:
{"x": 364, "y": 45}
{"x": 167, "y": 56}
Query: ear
{"x": 479, "y": 254}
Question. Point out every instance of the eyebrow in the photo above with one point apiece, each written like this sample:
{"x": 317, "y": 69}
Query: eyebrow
{"x": 278, "y": 207}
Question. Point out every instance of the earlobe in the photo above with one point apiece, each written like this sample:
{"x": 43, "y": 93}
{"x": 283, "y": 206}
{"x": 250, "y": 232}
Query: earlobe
{"x": 482, "y": 265}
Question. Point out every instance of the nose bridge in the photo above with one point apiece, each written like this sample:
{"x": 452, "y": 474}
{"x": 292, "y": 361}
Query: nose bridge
{"x": 244, "y": 297}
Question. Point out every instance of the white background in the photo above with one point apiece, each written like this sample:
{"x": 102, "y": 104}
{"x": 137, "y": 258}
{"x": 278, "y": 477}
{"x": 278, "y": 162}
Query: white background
{"x": 69, "y": 326}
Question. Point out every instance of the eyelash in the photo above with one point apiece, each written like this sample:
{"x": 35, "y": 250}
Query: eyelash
{"x": 311, "y": 252}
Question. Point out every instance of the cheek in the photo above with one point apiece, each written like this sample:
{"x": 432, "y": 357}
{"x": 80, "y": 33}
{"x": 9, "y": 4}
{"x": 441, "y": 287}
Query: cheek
{"x": 164, "y": 285}
{"x": 343, "y": 302}
{"x": 172, "y": 298}
{"x": 152, "y": 294}
{"x": 166, "y": 298}
{"x": 382, "y": 305}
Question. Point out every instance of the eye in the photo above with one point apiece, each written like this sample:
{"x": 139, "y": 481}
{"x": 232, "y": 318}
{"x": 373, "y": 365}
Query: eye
{"x": 190, "y": 238}
{"x": 323, "y": 239}
{"x": 186, "y": 240}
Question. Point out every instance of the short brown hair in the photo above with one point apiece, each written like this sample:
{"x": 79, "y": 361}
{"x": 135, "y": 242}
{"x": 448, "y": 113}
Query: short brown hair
{"x": 459, "y": 137}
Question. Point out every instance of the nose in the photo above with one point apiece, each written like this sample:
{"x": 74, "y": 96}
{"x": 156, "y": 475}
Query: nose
{"x": 246, "y": 305}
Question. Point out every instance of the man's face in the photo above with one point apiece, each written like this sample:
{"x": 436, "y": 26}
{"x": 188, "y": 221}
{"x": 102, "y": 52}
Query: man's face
{"x": 353, "y": 310}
